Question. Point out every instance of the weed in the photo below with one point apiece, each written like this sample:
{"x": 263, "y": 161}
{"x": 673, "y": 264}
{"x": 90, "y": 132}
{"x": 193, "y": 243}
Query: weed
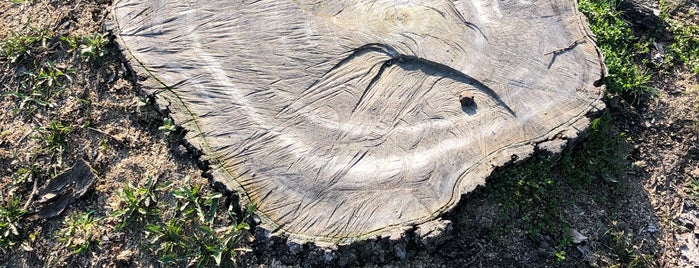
{"x": 73, "y": 42}
{"x": 54, "y": 136}
{"x": 11, "y": 229}
{"x": 190, "y": 200}
{"x": 20, "y": 44}
{"x": 27, "y": 102}
{"x": 39, "y": 86}
{"x": 168, "y": 126}
{"x": 684, "y": 40}
{"x": 136, "y": 203}
{"x": 196, "y": 235}
{"x": 49, "y": 77}
{"x": 530, "y": 192}
{"x": 170, "y": 240}
{"x": 693, "y": 188}
{"x": 621, "y": 246}
{"x": 24, "y": 170}
{"x": 93, "y": 47}
{"x": 621, "y": 50}
{"x": 601, "y": 156}
{"x": 79, "y": 232}
{"x": 533, "y": 193}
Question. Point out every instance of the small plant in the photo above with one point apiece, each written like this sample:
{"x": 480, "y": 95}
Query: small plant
{"x": 602, "y": 158}
{"x": 11, "y": 229}
{"x": 623, "y": 250}
{"x": 73, "y": 42}
{"x": 20, "y": 44}
{"x": 197, "y": 235}
{"x": 79, "y": 232}
{"x": 170, "y": 240}
{"x": 24, "y": 170}
{"x": 49, "y": 77}
{"x": 621, "y": 50}
{"x": 54, "y": 135}
{"x": 190, "y": 200}
{"x": 168, "y": 126}
{"x": 93, "y": 47}
{"x": 693, "y": 188}
{"x": 136, "y": 204}
{"x": 39, "y": 86}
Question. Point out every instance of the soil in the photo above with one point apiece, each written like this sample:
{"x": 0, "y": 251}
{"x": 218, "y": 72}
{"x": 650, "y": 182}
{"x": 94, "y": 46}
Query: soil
{"x": 649, "y": 214}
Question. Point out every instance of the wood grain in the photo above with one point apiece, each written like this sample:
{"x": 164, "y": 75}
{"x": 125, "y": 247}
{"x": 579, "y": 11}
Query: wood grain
{"x": 343, "y": 120}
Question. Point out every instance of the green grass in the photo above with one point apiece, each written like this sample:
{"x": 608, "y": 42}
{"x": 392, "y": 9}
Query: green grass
{"x": 683, "y": 42}
{"x": 168, "y": 126}
{"x": 93, "y": 46}
{"x": 627, "y": 54}
{"x": 11, "y": 226}
{"x": 39, "y": 86}
{"x": 185, "y": 226}
{"x": 80, "y": 232}
{"x": 622, "y": 248}
{"x": 136, "y": 204}
{"x": 21, "y": 44}
{"x": 622, "y": 50}
{"x": 534, "y": 193}
{"x": 194, "y": 233}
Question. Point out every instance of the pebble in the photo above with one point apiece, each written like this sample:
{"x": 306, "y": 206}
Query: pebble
{"x": 695, "y": 173}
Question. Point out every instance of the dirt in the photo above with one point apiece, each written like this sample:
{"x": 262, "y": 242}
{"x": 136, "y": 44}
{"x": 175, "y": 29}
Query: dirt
{"x": 650, "y": 213}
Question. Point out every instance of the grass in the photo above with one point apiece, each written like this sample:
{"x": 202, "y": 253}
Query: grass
{"x": 190, "y": 225}
{"x": 190, "y": 230}
{"x": 136, "y": 204}
{"x": 683, "y": 49}
{"x": 168, "y": 126}
{"x": 11, "y": 226}
{"x": 627, "y": 53}
{"x": 21, "y": 44}
{"x": 79, "y": 232}
{"x": 622, "y": 50}
{"x": 534, "y": 193}
{"x": 182, "y": 223}
{"x": 194, "y": 234}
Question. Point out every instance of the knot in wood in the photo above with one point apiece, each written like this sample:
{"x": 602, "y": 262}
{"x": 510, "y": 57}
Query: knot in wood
{"x": 466, "y": 98}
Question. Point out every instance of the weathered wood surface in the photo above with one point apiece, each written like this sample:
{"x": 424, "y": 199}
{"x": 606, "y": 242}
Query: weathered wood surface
{"x": 343, "y": 120}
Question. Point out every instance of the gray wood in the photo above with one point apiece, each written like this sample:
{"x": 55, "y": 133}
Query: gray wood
{"x": 343, "y": 120}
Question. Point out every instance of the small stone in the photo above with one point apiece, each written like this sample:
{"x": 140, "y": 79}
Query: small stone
{"x": 400, "y": 252}
{"x": 652, "y": 228}
{"x": 687, "y": 223}
{"x": 433, "y": 234}
{"x": 328, "y": 255}
{"x": 294, "y": 248}
{"x": 640, "y": 164}
{"x": 695, "y": 173}
{"x": 125, "y": 256}
{"x": 577, "y": 236}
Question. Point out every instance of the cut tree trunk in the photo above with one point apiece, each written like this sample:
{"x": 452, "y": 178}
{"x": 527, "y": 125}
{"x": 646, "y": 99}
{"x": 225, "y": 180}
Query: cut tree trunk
{"x": 342, "y": 120}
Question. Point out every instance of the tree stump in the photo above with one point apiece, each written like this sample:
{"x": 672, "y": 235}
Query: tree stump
{"x": 342, "y": 120}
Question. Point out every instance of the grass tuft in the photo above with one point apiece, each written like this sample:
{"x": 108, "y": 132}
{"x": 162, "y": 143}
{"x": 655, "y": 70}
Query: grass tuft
{"x": 11, "y": 227}
{"x": 621, "y": 50}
